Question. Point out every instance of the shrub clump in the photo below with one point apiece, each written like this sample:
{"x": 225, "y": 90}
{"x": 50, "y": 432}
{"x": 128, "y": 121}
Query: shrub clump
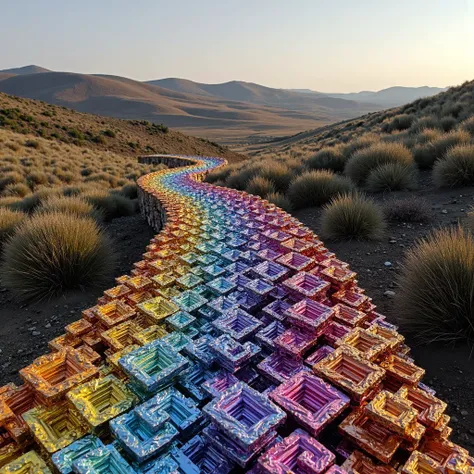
{"x": 315, "y": 188}
{"x": 278, "y": 173}
{"x": 352, "y": 216}
{"x": 398, "y": 123}
{"x": 51, "y": 253}
{"x": 280, "y": 200}
{"x": 392, "y": 177}
{"x": 426, "y": 155}
{"x": 456, "y": 168}
{"x": 111, "y": 205}
{"x": 364, "y": 161}
{"x": 468, "y": 125}
{"x": 329, "y": 158}
{"x": 408, "y": 210}
{"x": 436, "y": 301}
{"x": 69, "y": 205}
{"x": 9, "y": 221}
{"x": 260, "y": 186}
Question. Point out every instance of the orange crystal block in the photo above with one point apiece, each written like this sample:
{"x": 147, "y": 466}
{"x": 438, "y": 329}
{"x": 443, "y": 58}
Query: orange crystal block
{"x": 114, "y": 313}
{"x": 419, "y": 463}
{"x": 52, "y": 375}
{"x": 359, "y": 463}
{"x": 372, "y": 437}
{"x": 402, "y": 370}
{"x": 346, "y": 369}
{"x": 366, "y": 345}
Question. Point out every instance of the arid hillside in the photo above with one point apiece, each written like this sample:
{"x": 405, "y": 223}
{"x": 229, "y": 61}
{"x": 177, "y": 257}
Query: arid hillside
{"x": 125, "y": 137}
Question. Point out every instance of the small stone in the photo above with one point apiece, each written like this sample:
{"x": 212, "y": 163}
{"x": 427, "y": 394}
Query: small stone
{"x": 32, "y": 328}
{"x": 389, "y": 294}
{"x": 444, "y": 211}
{"x": 464, "y": 412}
{"x": 454, "y": 419}
{"x": 36, "y": 333}
{"x": 47, "y": 325}
{"x": 388, "y": 264}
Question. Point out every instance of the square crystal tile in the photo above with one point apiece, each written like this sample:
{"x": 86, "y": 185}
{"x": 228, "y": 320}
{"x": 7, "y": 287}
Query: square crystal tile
{"x": 311, "y": 401}
{"x": 199, "y": 457}
{"x": 139, "y": 283}
{"x": 222, "y": 304}
{"x": 157, "y": 309}
{"x": 170, "y": 405}
{"x": 213, "y": 271}
{"x": 140, "y": 440}
{"x": 268, "y": 334}
{"x": 237, "y": 267}
{"x": 370, "y": 436}
{"x": 335, "y": 331}
{"x": 239, "y": 281}
{"x": 221, "y": 286}
{"x": 29, "y": 463}
{"x": 277, "y": 310}
{"x": 117, "y": 292}
{"x": 270, "y": 254}
{"x": 180, "y": 321}
{"x": 103, "y": 461}
{"x": 52, "y": 375}
{"x": 63, "y": 460}
{"x": 199, "y": 350}
{"x": 270, "y": 271}
{"x": 189, "y": 301}
{"x": 349, "y": 316}
{"x": 135, "y": 298}
{"x": 238, "y": 324}
{"x": 150, "y": 334}
{"x": 310, "y": 315}
{"x": 347, "y": 370}
{"x": 259, "y": 287}
{"x": 162, "y": 465}
{"x": 337, "y": 276}
{"x": 189, "y": 281}
{"x": 163, "y": 279}
{"x": 295, "y": 342}
{"x": 402, "y": 370}
{"x": 307, "y": 285}
{"x": 230, "y": 354}
{"x": 368, "y": 346}
{"x": 393, "y": 412}
{"x": 244, "y": 414}
{"x": 360, "y": 463}
{"x": 153, "y": 366}
{"x": 394, "y": 339}
{"x": 319, "y": 354}
{"x": 220, "y": 382}
{"x": 430, "y": 409}
{"x": 55, "y": 427}
{"x": 121, "y": 336}
{"x": 207, "y": 258}
{"x": 421, "y": 463}
{"x": 278, "y": 367}
{"x": 113, "y": 313}
{"x": 351, "y": 298}
{"x": 296, "y": 261}
{"x": 78, "y": 328}
{"x": 299, "y": 452}
{"x": 101, "y": 399}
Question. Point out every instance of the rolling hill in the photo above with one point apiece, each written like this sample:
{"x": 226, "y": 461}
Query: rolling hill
{"x": 31, "y": 69}
{"x": 231, "y": 113}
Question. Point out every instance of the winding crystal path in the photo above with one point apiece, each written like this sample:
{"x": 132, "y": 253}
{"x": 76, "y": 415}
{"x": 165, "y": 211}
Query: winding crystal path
{"x": 239, "y": 343}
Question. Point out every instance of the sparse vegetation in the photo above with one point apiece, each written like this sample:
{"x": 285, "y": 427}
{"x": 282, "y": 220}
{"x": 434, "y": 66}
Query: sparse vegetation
{"x": 329, "y": 158}
{"x": 364, "y": 161}
{"x": 456, "y": 168}
{"x": 74, "y": 205}
{"x": 280, "y": 200}
{"x": 352, "y": 216}
{"x": 392, "y": 177}
{"x": 408, "y": 210}
{"x": 315, "y": 188}
{"x": 9, "y": 221}
{"x": 436, "y": 299}
{"x": 52, "y": 253}
{"x": 260, "y": 186}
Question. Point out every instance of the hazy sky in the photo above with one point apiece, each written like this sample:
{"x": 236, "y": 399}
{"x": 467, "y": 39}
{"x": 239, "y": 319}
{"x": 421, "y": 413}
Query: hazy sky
{"x": 325, "y": 45}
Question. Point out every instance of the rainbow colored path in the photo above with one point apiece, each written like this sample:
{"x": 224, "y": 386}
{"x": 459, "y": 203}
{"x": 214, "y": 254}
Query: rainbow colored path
{"x": 238, "y": 344}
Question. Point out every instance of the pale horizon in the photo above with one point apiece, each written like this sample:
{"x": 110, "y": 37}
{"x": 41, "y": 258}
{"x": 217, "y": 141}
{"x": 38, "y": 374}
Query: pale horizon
{"x": 336, "y": 48}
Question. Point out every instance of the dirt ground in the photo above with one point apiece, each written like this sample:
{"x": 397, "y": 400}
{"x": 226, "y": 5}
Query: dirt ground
{"x": 449, "y": 370}
{"x": 26, "y": 330}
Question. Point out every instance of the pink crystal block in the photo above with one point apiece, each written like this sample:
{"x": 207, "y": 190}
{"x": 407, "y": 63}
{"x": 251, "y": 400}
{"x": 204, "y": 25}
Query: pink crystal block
{"x": 299, "y": 453}
{"x": 312, "y": 402}
{"x": 310, "y": 315}
{"x": 295, "y": 342}
{"x": 307, "y": 286}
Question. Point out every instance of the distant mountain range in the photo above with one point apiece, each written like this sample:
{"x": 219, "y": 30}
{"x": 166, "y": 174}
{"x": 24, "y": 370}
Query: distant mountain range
{"x": 228, "y": 112}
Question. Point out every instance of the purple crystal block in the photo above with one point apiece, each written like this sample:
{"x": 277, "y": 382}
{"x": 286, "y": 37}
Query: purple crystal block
{"x": 259, "y": 287}
{"x": 277, "y": 310}
{"x": 310, "y": 315}
{"x": 295, "y": 342}
{"x": 278, "y": 367}
{"x": 244, "y": 415}
{"x": 299, "y": 452}
{"x": 238, "y": 324}
{"x": 230, "y": 354}
{"x": 268, "y": 334}
{"x": 311, "y": 401}
{"x": 270, "y": 271}
{"x": 219, "y": 383}
{"x": 199, "y": 350}
{"x": 319, "y": 354}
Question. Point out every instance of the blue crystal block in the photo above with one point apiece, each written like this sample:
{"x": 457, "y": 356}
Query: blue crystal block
{"x": 141, "y": 440}
{"x": 153, "y": 366}
{"x": 199, "y": 350}
{"x": 105, "y": 460}
{"x": 232, "y": 355}
{"x": 221, "y": 381}
{"x": 177, "y": 340}
{"x": 221, "y": 286}
{"x": 191, "y": 382}
{"x": 180, "y": 321}
{"x": 161, "y": 465}
{"x": 238, "y": 324}
{"x": 64, "y": 459}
